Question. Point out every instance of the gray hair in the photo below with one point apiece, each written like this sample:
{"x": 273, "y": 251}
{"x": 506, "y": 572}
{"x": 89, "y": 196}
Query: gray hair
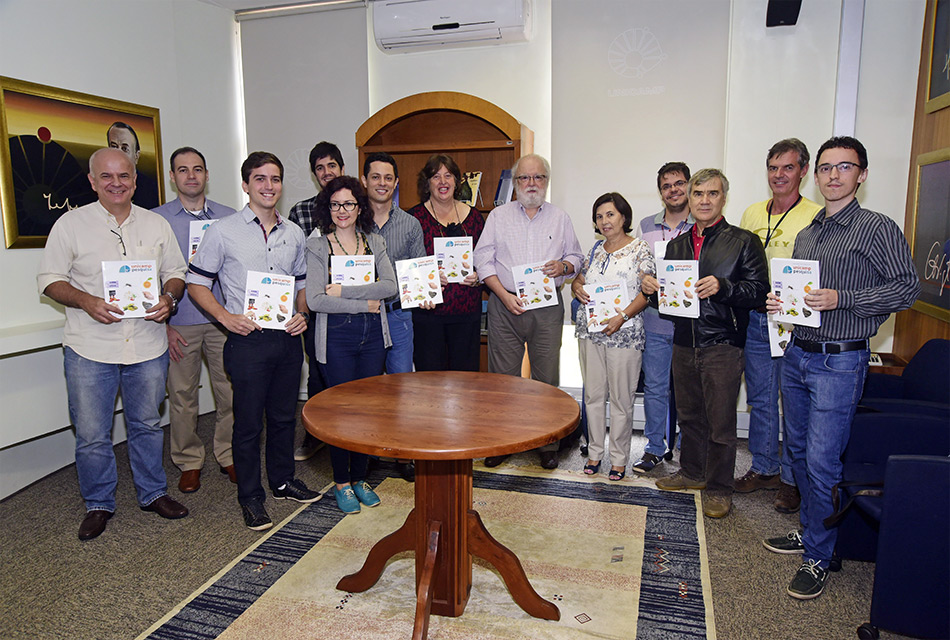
{"x": 705, "y": 175}
{"x": 541, "y": 159}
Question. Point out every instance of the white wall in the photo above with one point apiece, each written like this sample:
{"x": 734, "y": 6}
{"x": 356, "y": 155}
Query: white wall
{"x": 177, "y": 55}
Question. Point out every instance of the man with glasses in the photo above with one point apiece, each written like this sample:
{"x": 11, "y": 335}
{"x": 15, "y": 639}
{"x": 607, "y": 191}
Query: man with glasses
{"x": 776, "y": 221}
{"x": 527, "y": 230}
{"x": 866, "y": 274}
{"x": 658, "y": 399}
{"x": 104, "y": 353}
{"x": 326, "y": 163}
{"x": 192, "y": 331}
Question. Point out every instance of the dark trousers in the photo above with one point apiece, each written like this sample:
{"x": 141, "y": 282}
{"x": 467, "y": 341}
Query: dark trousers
{"x": 446, "y": 342}
{"x": 265, "y": 374}
{"x": 315, "y": 382}
{"x": 355, "y": 350}
{"x": 707, "y": 388}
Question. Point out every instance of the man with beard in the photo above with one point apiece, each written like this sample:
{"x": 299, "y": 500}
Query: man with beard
{"x": 527, "y": 230}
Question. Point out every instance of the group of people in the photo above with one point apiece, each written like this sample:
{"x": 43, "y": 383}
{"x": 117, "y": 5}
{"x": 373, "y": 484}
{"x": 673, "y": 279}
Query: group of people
{"x": 351, "y": 332}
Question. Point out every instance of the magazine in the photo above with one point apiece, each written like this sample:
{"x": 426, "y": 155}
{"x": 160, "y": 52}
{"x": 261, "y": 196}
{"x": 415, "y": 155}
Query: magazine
{"x": 418, "y": 280}
{"x": 352, "y": 271}
{"x": 676, "y": 295}
{"x": 196, "y": 231}
{"x": 269, "y": 299}
{"x": 131, "y": 285}
{"x": 791, "y": 281}
{"x": 454, "y": 256}
{"x": 605, "y": 297}
{"x": 535, "y": 289}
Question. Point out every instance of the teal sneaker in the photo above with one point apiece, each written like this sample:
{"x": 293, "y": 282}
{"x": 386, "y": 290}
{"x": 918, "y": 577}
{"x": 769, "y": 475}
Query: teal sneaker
{"x": 346, "y": 500}
{"x": 365, "y": 493}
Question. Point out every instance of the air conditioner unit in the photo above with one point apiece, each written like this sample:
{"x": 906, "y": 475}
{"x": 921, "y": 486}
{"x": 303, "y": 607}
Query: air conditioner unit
{"x": 415, "y": 25}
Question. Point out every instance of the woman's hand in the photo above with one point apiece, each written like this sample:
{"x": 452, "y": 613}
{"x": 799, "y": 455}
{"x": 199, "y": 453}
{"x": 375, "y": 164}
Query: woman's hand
{"x": 442, "y": 279}
{"x": 613, "y": 324}
{"x": 471, "y": 280}
{"x": 373, "y": 305}
{"x": 649, "y": 285}
{"x": 335, "y": 290}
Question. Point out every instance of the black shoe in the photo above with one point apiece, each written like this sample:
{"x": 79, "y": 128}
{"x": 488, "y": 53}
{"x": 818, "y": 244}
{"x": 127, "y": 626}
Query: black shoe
{"x": 94, "y": 524}
{"x": 407, "y": 470}
{"x": 494, "y": 461}
{"x": 255, "y": 516}
{"x": 308, "y": 448}
{"x": 548, "y": 459}
{"x": 296, "y": 490}
{"x": 809, "y": 581}
{"x": 166, "y": 508}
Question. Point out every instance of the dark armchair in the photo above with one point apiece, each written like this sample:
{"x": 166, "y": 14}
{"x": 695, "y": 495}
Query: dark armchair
{"x": 922, "y": 388}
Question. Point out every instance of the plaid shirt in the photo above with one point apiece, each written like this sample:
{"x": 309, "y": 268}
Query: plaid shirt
{"x": 304, "y": 215}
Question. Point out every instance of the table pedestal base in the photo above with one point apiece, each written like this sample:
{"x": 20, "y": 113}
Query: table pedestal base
{"x": 445, "y": 531}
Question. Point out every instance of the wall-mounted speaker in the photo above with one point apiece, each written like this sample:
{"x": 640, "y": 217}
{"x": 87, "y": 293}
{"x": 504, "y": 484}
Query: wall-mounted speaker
{"x": 782, "y": 13}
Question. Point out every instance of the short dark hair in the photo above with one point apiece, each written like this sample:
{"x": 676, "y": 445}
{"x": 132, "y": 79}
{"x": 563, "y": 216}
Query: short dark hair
{"x": 323, "y": 149}
{"x": 786, "y": 145}
{"x": 844, "y": 142}
{"x": 380, "y": 156}
{"x": 672, "y": 167}
{"x": 127, "y": 127}
{"x": 181, "y": 150}
{"x": 364, "y": 221}
{"x": 623, "y": 208}
{"x": 259, "y": 159}
{"x": 435, "y": 162}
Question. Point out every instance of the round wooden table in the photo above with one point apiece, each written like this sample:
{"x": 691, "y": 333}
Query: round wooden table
{"x": 442, "y": 420}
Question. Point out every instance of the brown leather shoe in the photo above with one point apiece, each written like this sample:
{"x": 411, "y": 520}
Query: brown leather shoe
{"x": 716, "y": 506}
{"x": 753, "y": 481}
{"x": 93, "y": 524}
{"x": 190, "y": 481}
{"x": 167, "y": 508}
{"x": 788, "y": 500}
{"x": 232, "y": 474}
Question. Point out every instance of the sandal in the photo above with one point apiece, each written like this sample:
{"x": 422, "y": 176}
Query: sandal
{"x": 590, "y": 468}
{"x": 616, "y": 475}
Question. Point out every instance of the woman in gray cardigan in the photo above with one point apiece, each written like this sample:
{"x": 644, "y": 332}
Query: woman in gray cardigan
{"x": 351, "y": 333}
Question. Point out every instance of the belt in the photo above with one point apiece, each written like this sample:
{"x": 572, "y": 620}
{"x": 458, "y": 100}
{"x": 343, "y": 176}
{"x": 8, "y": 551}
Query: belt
{"x": 395, "y": 304}
{"x": 829, "y": 347}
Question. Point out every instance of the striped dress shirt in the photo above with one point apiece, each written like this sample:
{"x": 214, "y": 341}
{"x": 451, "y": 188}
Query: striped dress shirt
{"x": 864, "y": 256}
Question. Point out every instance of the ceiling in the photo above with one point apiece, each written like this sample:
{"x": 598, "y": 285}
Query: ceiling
{"x": 244, "y": 5}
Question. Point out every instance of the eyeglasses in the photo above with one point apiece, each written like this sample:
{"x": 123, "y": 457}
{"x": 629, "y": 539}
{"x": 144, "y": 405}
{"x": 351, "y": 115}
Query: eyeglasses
{"x": 842, "y": 167}
{"x": 679, "y": 184}
{"x": 346, "y": 206}
{"x": 527, "y": 179}
{"x": 118, "y": 235}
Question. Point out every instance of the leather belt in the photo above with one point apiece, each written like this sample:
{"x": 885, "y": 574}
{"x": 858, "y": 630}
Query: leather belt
{"x": 829, "y": 347}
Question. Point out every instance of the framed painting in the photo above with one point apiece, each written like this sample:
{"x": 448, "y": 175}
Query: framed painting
{"x": 938, "y": 79}
{"x": 930, "y": 239}
{"x": 48, "y": 136}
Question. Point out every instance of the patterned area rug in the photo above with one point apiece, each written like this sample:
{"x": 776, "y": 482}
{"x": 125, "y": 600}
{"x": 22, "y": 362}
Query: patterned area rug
{"x": 621, "y": 560}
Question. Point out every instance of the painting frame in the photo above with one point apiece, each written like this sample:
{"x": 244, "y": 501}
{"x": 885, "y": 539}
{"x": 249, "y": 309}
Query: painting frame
{"x": 931, "y": 254}
{"x": 48, "y": 134}
{"x": 938, "y": 93}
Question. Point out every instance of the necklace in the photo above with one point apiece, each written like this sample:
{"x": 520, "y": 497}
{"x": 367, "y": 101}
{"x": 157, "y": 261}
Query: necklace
{"x": 342, "y": 248}
{"x": 455, "y": 206}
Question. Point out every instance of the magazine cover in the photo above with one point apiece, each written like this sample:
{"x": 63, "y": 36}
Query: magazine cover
{"x": 269, "y": 299}
{"x": 196, "y": 231}
{"x": 676, "y": 296}
{"x": 352, "y": 271}
{"x": 131, "y": 285}
{"x": 454, "y": 256}
{"x": 791, "y": 280}
{"x": 418, "y": 281}
{"x": 535, "y": 289}
{"x": 605, "y": 297}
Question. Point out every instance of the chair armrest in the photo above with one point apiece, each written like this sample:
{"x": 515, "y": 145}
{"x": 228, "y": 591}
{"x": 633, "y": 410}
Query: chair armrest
{"x": 882, "y": 385}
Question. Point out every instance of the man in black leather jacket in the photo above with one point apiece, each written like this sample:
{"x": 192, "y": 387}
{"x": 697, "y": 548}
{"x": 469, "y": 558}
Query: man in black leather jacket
{"x": 707, "y": 351}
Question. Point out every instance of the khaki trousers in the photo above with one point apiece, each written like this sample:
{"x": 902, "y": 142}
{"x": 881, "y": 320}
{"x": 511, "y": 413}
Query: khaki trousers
{"x": 187, "y": 449}
{"x": 609, "y": 372}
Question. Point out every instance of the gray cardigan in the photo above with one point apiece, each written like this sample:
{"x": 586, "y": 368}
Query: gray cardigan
{"x": 352, "y": 299}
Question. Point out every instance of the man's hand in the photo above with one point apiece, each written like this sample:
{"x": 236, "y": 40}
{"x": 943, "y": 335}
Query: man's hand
{"x": 707, "y": 287}
{"x": 554, "y": 268}
{"x": 241, "y": 325}
{"x": 577, "y": 288}
{"x": 335, "y": 290}
{"x": 649, "y": 285}
{"x": 773, "y": 304}
{"x": 822, "y": 299}
{"x": 296, "y": 325}
{"x": 372, "y": 305}
{"x": 512, "y": 303}
{"x": 161, "y": 311}
{"x": 100, "y": 310}
{"x": 175, "y": 342}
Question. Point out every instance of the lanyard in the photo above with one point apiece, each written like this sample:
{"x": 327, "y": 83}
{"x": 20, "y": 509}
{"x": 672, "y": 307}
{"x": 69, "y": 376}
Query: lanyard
{"x": 768, "y": 220}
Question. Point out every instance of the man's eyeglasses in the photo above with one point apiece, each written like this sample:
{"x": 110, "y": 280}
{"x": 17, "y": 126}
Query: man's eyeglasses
{"x": 118, "y": 235}
{"x": 679, "y": 184}
{"x": 526, "y": 179}
{"x": 842, "y": 167}
{"x": 346, "y": 206}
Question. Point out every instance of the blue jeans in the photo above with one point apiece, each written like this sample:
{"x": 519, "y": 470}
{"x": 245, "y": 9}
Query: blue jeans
{"x": 265, "y": 375}
{"x": 657, "y": 363}
{"x": 820, "y": 394}
{"x": 399, "y": 356}
{"x": 762, "y": 375}
{"x": 92, "y": 387}
{"x": 354, "y": 351}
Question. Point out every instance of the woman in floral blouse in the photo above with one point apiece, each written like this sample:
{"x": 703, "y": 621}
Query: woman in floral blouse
{"x": 611, "y": 339}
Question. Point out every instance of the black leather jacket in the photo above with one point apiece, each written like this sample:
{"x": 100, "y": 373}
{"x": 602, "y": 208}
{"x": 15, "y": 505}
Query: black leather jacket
{"x": 736, "y": 257}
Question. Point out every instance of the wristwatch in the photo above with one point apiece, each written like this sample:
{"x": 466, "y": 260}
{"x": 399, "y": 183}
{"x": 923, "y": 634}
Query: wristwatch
{"x": 174, "y": 300}
{"x": 565, "y": 265}
{"x": 623, "y": 314}
{"x": 306, "y": 315}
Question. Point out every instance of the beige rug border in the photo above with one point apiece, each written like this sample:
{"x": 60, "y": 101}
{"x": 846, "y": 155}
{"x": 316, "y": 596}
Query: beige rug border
{"x": 530, "y": 471}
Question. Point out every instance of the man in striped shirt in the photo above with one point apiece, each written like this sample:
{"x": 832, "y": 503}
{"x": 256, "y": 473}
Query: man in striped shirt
{"x": 866, "y": 274}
